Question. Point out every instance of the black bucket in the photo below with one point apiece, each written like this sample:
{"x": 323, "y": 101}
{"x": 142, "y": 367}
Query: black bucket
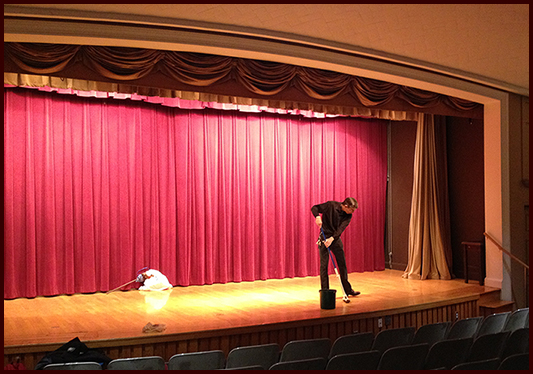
{"x": 327, "y": 299}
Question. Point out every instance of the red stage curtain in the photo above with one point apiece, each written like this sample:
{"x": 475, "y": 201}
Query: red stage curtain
{"x": 95, "y": 189}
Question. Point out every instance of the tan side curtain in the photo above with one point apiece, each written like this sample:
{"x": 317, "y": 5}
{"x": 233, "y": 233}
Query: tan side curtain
{"x": 429, "y": 229}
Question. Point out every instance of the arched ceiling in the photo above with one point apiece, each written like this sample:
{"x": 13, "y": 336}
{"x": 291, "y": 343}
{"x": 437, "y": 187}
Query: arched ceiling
{"x": 482, "y": 43}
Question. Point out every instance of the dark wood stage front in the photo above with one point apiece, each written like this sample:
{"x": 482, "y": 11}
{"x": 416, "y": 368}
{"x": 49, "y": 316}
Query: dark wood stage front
{"x": 225, "y": 316}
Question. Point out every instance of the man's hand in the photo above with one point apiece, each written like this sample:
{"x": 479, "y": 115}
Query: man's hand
{"x": 328, "y": 241}
{"x": 318, "y": 221}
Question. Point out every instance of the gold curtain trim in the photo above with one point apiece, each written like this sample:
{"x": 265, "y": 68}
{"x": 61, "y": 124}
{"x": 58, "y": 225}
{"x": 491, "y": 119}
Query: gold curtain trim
{"x": 28, "y": 80}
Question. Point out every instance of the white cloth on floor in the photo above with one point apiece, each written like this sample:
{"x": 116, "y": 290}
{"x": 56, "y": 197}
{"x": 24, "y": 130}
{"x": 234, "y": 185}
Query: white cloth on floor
{"x": 156, "y": 281}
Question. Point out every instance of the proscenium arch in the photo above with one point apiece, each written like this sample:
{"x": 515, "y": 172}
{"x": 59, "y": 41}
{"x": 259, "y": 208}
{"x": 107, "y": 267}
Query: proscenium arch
{"x": 28, "y": 25}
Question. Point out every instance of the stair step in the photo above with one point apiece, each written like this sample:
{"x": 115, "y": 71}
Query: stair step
{"x": 496, "y": 303}
{"x": 489, "y": 303}
{"x": 489, "y": 296}
{"x": 496, "y": 306}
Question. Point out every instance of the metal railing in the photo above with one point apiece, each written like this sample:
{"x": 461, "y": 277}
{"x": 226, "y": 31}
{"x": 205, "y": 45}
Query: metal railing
{"x": 524, "y": 265}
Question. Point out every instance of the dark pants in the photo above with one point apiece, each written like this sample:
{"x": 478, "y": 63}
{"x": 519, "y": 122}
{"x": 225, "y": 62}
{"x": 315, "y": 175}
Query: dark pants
{"x": 337, "y": 250}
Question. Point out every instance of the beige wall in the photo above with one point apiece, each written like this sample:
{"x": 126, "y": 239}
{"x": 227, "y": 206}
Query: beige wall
{"x": 507, "y": 194}
{"x": 518, "y": 165}
{"x": 493, "y": 192}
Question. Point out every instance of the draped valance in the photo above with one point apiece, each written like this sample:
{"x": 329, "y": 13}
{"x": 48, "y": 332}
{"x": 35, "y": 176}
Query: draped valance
{"x": 170, "y": 73}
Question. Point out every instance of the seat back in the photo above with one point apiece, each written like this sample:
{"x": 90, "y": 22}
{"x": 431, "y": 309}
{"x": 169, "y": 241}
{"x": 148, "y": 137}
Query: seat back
{"x": 487, "y": 346}
{"x": 352, "y": 343}
{"x": 517, "y": 320}
{"x": 253, "y": 367}
{"x": 448, "y": 353}
{"x": 518, "y": 342}
{"x": 367, "y": 360}
{"x": 493, "y": 323}
{"x": 205, "y": 360}
{"x": 406, "y": 357}
{"x": 137, "y": 363}
{"x": 396, "y": 337}
{"x": 317, "y": 363}
{"x": 490, "y": 364}
{"x": 431, "y": 333}
{"x": 464, "y": 328}
{"x": 304, "y": 349}
{"x": 515, "y": 362}
{"x": 74, "y": 366}
{"x": 264, "y": 355}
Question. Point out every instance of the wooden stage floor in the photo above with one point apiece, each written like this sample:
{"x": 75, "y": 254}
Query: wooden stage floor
{"x": 116, "y": 319}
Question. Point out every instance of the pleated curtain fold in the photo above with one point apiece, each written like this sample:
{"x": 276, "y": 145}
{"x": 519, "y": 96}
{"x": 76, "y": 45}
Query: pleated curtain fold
{"x": 96, "y": 189}
{"x": 429, "y": 247}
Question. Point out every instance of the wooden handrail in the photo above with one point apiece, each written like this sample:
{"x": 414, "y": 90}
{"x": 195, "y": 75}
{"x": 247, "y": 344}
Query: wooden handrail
{"x": 506, "y": 251}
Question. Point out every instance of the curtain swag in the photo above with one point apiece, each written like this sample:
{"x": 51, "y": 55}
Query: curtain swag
{"x": 203, "y": 70}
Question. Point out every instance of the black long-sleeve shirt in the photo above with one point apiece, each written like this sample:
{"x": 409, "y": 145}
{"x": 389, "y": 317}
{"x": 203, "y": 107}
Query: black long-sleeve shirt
{"x": 334, "y": 219}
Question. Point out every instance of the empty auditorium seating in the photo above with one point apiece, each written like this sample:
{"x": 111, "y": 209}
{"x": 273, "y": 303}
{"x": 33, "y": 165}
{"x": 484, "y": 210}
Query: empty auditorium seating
{"x": 406, "y": 357}
{"x": 352, "y": 343}
{"x": 487, "y": 346}
{"x": 74, "y": 366}
{"x": 137, "y": 363}
{"x": 515, "y": 362}
{"x": 517, "y": 320}
{"x": 431, "y": 333}
{"x": 464, "y": 328}
{"x": 205, "y": 360}
{"x": 390, "y": 338}
{"x": 498, "y": 341}
{"x": 517, "y": 343}
{"x": 264, "y": 355}
{"x": 366, "y": 360}
{"x": 493, "y": 323}
{"x": 317, "y": 363}
{"x": 447, "y": 353}
{"x": 304, "y": 349}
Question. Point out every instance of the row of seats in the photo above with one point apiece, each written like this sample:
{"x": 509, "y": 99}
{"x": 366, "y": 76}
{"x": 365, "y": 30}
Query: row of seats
{"x": 409, "y": 357}
{"x": 498, "y": 340}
